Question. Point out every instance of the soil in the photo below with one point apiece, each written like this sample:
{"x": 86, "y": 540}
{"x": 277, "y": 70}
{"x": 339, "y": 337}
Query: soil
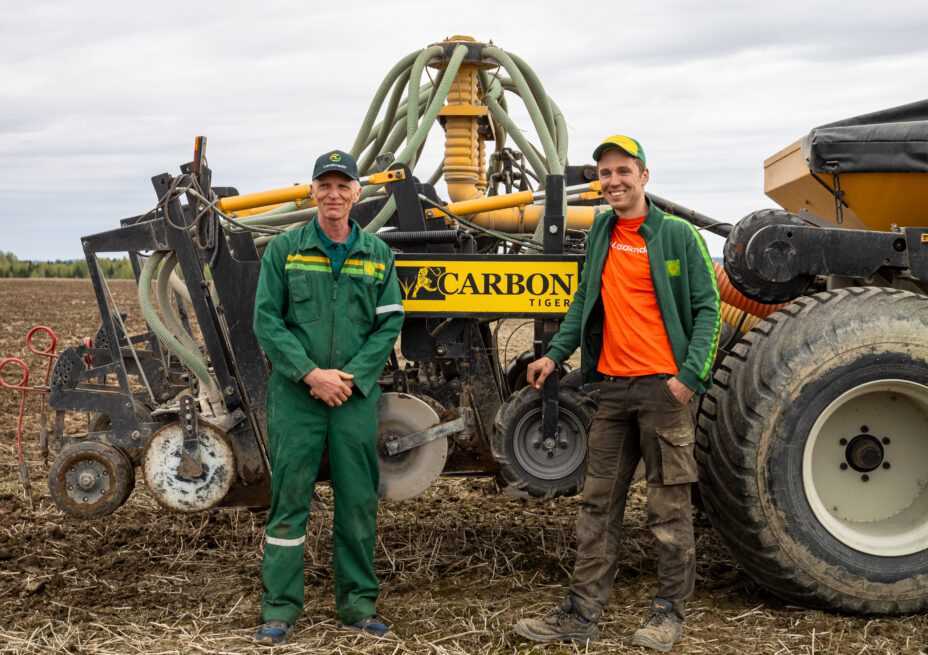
{"x": 458, "y": 565}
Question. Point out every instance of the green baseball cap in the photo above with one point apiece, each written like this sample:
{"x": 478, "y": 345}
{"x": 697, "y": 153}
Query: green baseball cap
{"x": 336, "y": 161}
{"x": 621, "y": 142}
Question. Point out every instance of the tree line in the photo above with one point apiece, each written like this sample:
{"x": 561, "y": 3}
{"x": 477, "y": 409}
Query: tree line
{"x": 112, "y": 268}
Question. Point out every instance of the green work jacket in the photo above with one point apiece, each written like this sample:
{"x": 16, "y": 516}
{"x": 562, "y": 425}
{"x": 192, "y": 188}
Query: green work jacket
{"x": 307, "y": 317}
{"x": 685, "y": 286}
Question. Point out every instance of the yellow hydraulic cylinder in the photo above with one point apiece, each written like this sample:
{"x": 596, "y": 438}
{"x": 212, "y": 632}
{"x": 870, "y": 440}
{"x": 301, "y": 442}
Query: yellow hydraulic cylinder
{"x": 265, "y": 198}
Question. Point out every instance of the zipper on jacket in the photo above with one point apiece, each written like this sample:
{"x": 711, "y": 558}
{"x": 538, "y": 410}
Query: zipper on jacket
{"x": 332, "y": 323}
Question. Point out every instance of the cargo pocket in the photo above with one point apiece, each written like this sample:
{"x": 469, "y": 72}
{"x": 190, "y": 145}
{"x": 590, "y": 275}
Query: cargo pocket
{"x": 302, "y": 307}
{"x": 678, "y": 464}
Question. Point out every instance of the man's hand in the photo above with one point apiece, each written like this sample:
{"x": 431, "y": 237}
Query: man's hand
{"x": 539, "y": 370}
{"x": 680, "y": 391}
{"x": 330, "y": 385}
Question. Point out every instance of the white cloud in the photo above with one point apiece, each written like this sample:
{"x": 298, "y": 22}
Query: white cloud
{"x": 97, "y": 97}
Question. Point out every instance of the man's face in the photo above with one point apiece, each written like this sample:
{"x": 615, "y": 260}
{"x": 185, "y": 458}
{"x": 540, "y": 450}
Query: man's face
{"x": 622, "y": 181}
{"x": 335, "y": 194}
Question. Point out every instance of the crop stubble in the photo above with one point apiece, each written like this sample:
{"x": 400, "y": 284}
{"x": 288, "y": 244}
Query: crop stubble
{"x": 458, "y": 565}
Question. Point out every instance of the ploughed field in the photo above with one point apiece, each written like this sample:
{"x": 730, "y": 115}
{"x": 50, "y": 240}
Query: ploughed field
{"x": 458, "y": 565}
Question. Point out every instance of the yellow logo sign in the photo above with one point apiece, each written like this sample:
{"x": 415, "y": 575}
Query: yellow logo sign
{"x": 335, "y": 157}
{"x": 512, "y": 286}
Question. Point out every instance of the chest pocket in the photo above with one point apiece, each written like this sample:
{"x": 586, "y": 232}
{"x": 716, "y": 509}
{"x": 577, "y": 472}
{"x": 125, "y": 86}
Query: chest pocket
{"x": 302, "y": 307}
{"x": 364, "y": 293}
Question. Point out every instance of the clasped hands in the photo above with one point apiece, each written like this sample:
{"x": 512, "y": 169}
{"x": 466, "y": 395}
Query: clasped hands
{"x": 330, "y": 385}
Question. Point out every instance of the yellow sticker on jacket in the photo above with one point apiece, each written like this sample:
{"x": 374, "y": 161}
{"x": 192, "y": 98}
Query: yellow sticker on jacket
{"x": 673, "y": 267}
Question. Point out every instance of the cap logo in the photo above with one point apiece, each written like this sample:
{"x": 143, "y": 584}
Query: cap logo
{"x": 335, "y": 157}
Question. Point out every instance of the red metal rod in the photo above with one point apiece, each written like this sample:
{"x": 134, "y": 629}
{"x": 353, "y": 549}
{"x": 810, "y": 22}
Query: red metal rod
{"x": 23, "y": 387}
{"x": 48, "y": 352}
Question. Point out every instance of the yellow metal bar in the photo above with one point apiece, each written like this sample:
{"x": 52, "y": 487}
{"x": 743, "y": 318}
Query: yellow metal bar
{"x": 384, "y": 177}
{"x": 265, "y": 200}
{"x": 488, "y": 203}
{"x": 517, "y": 199}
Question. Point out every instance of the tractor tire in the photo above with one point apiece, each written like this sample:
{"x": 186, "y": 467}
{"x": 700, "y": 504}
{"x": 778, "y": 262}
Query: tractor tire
{"x": 812, "y": 445}
{"x": 528, "y": 465}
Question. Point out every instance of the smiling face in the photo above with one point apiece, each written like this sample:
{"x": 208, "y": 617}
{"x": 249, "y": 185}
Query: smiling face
{"x": 623, "y": 179}
{"x": 335, "y": 194}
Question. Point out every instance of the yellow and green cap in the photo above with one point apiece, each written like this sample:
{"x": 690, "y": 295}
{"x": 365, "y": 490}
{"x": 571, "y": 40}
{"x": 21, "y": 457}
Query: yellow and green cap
{"x": 336, "y": 161}
{"x": 626, "y": 144}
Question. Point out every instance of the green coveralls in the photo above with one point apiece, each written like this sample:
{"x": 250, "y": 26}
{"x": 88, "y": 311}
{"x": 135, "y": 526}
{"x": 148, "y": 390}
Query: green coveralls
{"x": 308, "y": 316}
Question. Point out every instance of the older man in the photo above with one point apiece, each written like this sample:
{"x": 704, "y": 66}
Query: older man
{"x": 327, "y": 312}
{"x": 646, "y": 317}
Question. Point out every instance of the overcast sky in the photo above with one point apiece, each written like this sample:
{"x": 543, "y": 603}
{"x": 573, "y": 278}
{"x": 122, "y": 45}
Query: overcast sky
{"x": 97, "y": 97}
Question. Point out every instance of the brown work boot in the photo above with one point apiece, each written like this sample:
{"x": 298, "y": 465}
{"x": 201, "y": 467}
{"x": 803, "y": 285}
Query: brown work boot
{"x": 662, "y": 630}
{"x": 563, "y": 623}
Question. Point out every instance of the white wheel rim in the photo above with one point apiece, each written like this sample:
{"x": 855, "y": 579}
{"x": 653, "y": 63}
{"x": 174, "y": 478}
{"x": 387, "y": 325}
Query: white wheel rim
{"x": 882, "y": 510}
{"x": 163, "y": 457}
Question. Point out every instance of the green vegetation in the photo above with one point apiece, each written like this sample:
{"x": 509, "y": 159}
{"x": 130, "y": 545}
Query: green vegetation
{"x": 12, "y": 266}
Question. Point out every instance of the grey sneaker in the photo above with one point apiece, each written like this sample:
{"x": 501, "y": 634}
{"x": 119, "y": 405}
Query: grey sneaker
{"x": 563, "y": 623}
{"x": 273, "y": 633}
{"x": 662, "y": 629}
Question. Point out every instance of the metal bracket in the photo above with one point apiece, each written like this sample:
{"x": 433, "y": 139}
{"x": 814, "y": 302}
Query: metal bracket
{"x": 191, "y": 466}
{"x": 416, "y": 439}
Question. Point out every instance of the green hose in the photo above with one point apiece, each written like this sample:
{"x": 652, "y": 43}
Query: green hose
{"x": 382, "y": 130}
{"x": 414, "y": 77}
{"x": 538, "y": 91}
{"x": 438, "y": 101}
{"x": 377, "y": 101}
{"x": 191, "y": 360}
{"x": 413, "y": 144}
{"x": 396, "y": 133}
{"x": 537, "y": 163}
{"x": 171, "y": 320}
{"x": 400, "y": 116}
{"x": 555, "y": 166}
{"x": 407, "y": 121}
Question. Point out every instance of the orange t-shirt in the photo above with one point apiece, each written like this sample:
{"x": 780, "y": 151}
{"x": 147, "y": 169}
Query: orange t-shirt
{"x": 635, "y": 341}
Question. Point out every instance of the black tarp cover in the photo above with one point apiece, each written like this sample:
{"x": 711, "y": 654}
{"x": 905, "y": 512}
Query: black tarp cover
{"x": 888, "y": 141}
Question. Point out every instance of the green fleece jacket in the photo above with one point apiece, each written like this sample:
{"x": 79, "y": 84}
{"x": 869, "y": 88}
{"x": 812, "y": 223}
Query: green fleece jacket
{"x": 686, "y": 290}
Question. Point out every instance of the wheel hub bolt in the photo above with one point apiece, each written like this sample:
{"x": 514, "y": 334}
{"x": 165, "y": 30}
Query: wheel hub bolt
{"x": 86, "y": 480}
{"x": 549, "y": 444}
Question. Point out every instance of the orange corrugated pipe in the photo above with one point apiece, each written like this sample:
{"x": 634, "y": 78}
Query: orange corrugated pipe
{"x": 732, "y": 315}
{"x": 737, "y": 299}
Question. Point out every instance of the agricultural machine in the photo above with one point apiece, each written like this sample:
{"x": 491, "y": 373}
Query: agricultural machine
{"x": 812, "y": 443}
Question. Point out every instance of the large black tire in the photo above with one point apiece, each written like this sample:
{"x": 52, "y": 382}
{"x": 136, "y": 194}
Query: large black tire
{"x": 770, "y": 450}
{"x": 525, "y": 468}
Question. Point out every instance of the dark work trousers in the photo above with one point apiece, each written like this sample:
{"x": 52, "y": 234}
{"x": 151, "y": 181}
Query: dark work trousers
{"x": 637, "y": 418}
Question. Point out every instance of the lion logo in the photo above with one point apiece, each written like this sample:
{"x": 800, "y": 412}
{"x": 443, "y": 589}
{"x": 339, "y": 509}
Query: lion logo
{"x": 426, "y": 280}
{"x": 426, "y": 283}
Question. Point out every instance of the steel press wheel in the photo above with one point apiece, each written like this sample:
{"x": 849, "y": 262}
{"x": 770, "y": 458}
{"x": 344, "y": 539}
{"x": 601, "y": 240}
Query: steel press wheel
{"x": 407, "y": 474}
{"x": 90, "y": 479}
